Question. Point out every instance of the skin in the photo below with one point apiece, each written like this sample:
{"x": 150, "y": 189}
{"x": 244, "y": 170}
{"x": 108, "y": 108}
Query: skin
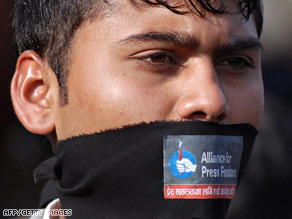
{"x": 146, "y": 65}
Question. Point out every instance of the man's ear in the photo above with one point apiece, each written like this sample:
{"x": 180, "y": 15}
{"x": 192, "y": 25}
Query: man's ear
{"x": 31, "y": 94}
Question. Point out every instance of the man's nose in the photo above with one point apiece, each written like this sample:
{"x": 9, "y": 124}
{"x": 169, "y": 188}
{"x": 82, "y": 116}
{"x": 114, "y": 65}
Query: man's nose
{"x": 202, "y": 97}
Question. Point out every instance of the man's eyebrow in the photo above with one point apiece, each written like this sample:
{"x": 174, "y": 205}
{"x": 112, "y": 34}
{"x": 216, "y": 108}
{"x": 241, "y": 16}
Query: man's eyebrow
{"x": 249, "y": 43}
{"x": 187, "y": 40}
{"x": 174, "y": 38}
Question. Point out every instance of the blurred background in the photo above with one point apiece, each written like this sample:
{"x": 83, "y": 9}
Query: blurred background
{"x": 266, "y": 188}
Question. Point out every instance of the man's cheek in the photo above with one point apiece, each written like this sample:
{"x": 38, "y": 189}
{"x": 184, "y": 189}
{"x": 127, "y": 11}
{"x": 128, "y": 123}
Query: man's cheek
{"x": 251, "y": 109}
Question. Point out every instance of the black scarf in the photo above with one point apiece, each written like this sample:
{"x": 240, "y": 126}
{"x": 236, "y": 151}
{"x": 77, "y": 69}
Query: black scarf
{"x": 120, "y": 174}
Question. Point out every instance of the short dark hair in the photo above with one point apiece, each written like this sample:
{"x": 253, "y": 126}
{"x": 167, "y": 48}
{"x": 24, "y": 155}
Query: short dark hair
{"x": 48, "y": 26}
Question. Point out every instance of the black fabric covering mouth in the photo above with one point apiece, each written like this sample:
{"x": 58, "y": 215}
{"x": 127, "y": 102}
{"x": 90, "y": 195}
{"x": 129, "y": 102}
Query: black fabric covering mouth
{"x": 119, "y": 173}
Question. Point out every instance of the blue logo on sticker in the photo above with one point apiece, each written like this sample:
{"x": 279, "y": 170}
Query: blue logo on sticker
{"x": 182, "y": 164}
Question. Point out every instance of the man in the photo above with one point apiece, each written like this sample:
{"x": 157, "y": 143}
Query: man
{"x": 101, "y": 76}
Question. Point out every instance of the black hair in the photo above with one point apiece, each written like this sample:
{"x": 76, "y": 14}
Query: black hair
{"x": 48, "y": 26}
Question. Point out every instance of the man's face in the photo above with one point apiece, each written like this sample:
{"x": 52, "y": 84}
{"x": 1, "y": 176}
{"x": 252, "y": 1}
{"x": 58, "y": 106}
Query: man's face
{"x": 140, "y": 66}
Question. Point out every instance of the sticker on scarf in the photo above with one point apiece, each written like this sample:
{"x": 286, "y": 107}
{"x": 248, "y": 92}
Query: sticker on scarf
{"x": 201, "y": 166}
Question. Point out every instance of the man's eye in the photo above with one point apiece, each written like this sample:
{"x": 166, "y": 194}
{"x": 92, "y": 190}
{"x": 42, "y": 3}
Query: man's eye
{"x": 159, "y": 58}
{"x": 163, "y": 61}
{"x": 236, "y": 62}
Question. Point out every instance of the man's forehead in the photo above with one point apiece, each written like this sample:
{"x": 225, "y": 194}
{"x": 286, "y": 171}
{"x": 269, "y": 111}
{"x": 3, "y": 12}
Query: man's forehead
{"x": 159, "y": 27}
{"x": 144, "y": 20}
{"x": 193, "y": 6}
